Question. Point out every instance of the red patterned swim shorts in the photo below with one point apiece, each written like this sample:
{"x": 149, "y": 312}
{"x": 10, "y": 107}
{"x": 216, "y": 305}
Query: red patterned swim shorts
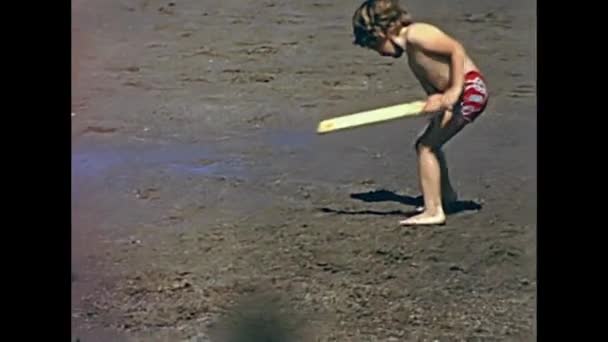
{"x": 475, "y": 96}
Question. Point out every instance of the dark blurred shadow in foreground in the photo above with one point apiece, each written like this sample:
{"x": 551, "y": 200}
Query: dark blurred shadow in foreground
{"x": 259, "y": 318}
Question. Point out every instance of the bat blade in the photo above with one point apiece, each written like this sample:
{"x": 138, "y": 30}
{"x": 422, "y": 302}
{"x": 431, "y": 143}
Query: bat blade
{"x": 370, "y": 117}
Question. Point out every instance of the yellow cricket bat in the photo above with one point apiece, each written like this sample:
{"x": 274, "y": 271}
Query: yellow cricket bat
{"x": 370, "y": 117}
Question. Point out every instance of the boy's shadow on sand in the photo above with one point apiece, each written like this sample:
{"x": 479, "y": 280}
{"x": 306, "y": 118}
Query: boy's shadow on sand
{"x": 390, "y": 196}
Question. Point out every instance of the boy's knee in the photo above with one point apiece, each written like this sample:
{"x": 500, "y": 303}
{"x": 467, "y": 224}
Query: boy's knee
{"x": 422, "y": 146}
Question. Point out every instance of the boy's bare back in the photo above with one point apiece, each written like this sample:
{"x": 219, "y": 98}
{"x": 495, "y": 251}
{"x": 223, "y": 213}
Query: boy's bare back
{"x": 426, "y": 57}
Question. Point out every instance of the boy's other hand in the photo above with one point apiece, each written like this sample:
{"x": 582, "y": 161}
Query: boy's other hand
{"x": 433, "y": 103}
{"x": 449, "y": 98}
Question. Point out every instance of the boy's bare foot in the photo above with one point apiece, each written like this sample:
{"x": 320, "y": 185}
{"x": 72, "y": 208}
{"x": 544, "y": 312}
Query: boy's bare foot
{"x": 425, "y": 219}
{"x": 448, "y": 200}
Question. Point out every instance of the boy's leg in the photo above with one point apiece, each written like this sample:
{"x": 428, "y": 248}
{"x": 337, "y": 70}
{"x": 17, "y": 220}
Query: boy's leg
{"x": 448, "y": 194}
{"x": 430, "y": 164}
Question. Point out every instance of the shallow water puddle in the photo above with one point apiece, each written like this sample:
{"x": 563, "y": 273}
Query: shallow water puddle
{"x": 291, "y": 138}
{"x": 197, "y": 159}
{"x": 233, "y": 167}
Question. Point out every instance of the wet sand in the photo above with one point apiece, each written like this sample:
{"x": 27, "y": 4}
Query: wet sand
{"x": 197, "y": 179}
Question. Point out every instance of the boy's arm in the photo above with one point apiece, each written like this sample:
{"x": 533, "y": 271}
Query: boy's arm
{"x": 434, "y": 40}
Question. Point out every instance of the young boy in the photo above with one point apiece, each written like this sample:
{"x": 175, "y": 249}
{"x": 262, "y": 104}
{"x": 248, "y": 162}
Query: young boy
{"x": 456, "y": 91}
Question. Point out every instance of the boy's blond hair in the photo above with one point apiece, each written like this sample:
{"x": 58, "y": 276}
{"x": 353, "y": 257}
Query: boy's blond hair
{"x": 375, "y": 16}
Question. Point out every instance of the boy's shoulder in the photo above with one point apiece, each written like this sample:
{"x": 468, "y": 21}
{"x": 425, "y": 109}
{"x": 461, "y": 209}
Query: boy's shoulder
{"x": 422, "y": 29}
{"x": 421, "y": 32}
